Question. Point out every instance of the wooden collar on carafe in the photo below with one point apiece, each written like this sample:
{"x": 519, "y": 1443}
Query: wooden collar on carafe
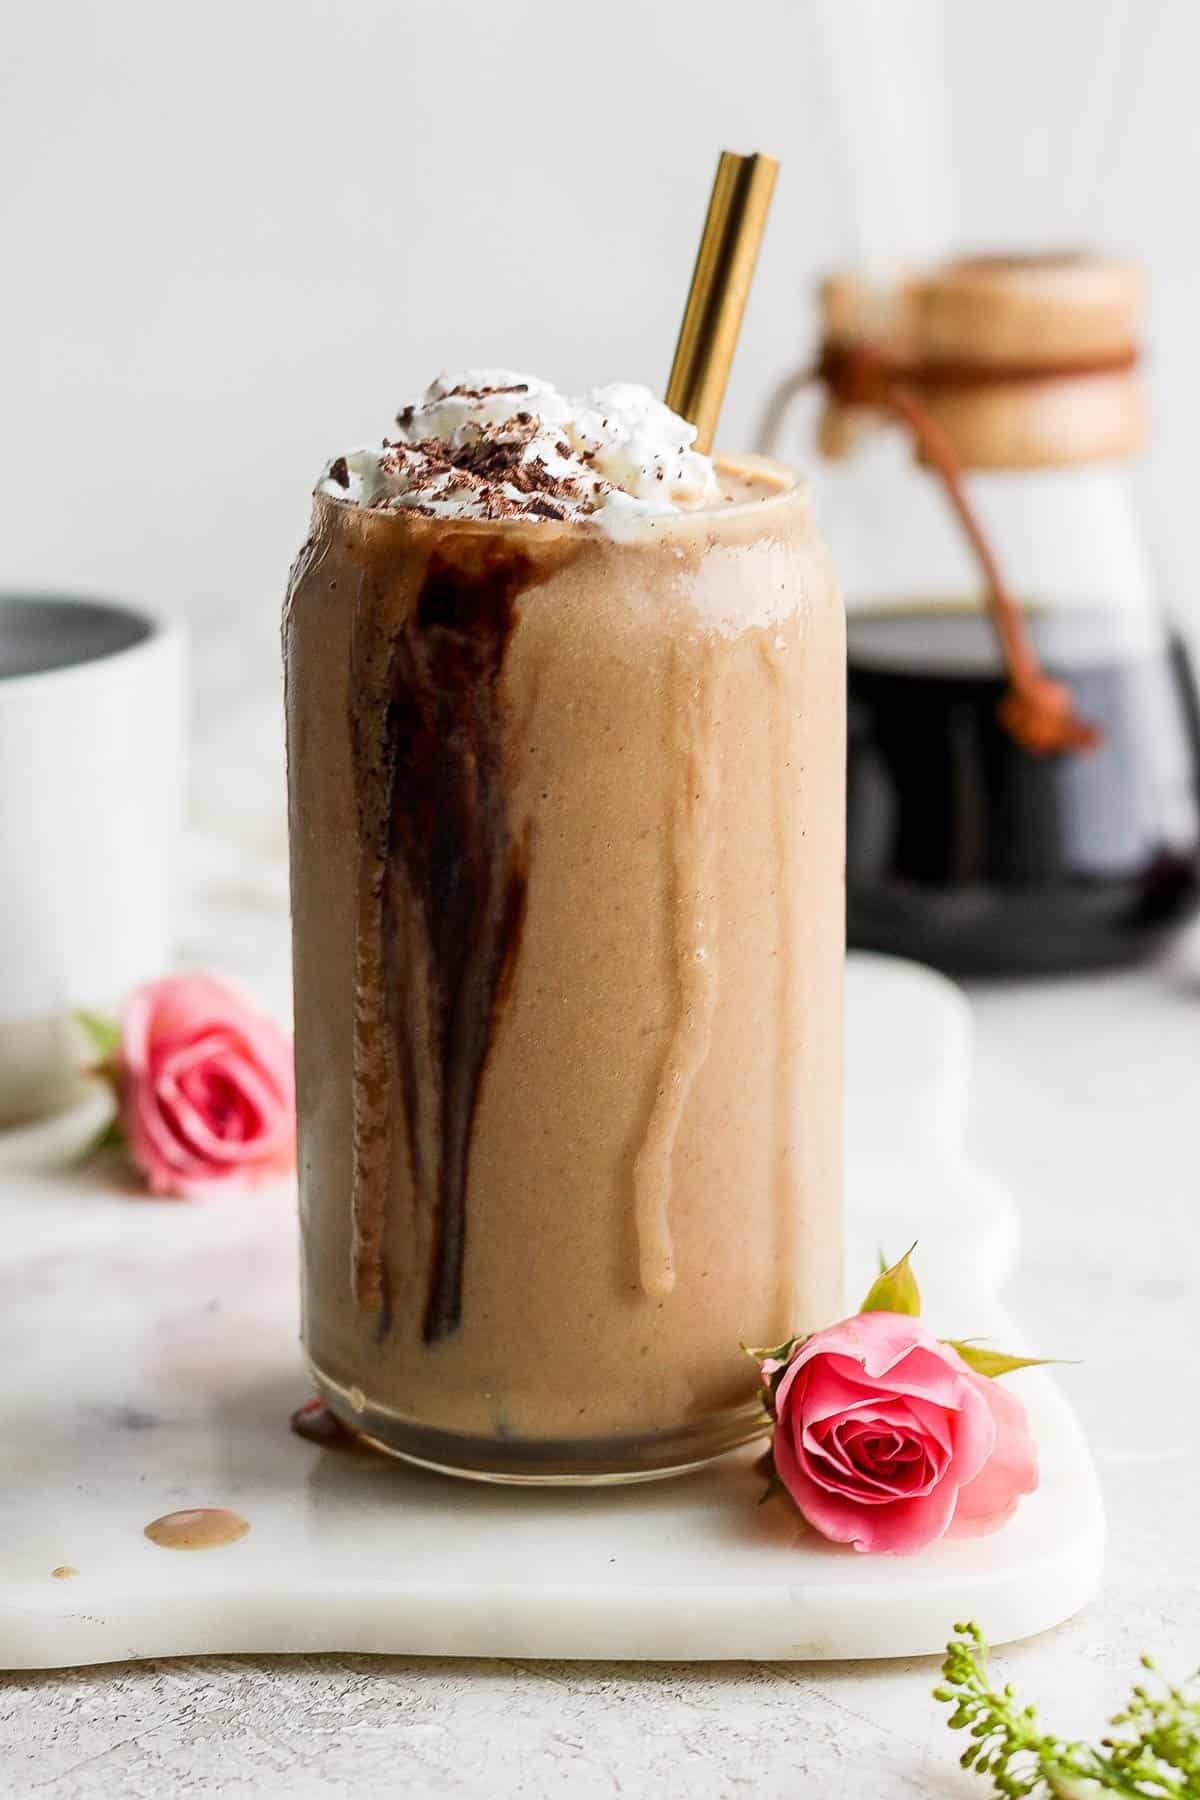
{"x": 993, "y": 362}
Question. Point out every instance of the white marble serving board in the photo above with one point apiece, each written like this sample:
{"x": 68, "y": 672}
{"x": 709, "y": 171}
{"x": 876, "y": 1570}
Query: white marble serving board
{"x": 152, "y": 1365}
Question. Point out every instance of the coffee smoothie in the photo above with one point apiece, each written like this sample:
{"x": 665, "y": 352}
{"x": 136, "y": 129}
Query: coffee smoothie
{"x": 565, "y": 710}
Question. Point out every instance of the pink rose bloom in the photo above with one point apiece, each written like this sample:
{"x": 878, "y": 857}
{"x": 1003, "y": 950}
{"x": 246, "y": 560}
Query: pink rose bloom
{"x": 208, "y": 1096}
{"x": 886, "y": 1440}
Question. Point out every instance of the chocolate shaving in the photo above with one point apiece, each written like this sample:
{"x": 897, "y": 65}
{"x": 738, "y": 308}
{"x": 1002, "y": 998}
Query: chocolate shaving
{"x": 484, "y": 393}
{"x": 496, "y": 468}
{"x": 339, "y": 471}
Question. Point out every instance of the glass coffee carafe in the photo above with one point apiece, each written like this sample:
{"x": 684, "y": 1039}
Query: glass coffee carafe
{"x": 1024, "y": 740}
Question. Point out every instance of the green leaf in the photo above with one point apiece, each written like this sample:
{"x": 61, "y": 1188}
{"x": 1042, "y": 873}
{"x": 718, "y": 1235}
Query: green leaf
{"x": 895, "y": 1290}
{"x": 995, "y": 1362}
{"x": 765, "y": 1466}
{"x": 780, "y": 1352}
{"x": 781, "y": 1355}
{"x": 109, "y": 1137}
{"x": 103, "y": 1033}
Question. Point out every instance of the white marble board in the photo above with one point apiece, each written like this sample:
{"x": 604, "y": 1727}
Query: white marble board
{"x": 153, "y": 1360}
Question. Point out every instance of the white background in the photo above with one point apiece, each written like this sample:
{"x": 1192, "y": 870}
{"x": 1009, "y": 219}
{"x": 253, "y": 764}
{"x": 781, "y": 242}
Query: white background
{"x": 239, "y": 234}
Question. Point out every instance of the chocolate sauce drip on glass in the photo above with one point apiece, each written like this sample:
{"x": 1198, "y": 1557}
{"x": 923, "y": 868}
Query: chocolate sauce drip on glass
{"x": 317, "y": 1425}
{"x": 452, "y": 898}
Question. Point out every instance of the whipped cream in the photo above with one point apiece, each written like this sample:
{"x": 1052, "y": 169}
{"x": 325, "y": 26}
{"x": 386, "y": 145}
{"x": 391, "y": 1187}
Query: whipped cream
{"x": 490, "y": 444}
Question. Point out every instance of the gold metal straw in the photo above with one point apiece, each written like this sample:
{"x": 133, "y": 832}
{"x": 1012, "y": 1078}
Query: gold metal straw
{"x": 737, "y": 213}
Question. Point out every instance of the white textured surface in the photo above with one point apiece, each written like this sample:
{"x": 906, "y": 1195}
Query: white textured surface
{"x": 160, "y": 1364}
{"x": 1084, "y": 1102}
{"x": 1084, "y": 1099}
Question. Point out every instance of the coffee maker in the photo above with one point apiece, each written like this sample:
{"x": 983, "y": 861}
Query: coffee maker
{"x": 1024, "y": 744}
{"x": 1023, "y": 752}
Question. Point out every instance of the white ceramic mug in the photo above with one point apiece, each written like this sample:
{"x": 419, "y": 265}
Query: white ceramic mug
{"x": 91, "y": 752}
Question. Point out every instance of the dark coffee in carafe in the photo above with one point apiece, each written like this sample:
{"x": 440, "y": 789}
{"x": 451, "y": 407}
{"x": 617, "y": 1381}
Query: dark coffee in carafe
{"x": 965, "y": 849}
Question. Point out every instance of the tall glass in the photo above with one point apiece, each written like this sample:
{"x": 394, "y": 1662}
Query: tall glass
{"x": 567, "y": 892}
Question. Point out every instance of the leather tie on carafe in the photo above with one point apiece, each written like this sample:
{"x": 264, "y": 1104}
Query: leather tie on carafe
{"x": 1037, "y": 712}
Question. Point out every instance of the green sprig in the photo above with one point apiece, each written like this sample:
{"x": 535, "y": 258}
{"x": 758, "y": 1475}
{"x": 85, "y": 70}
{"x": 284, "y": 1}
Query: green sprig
{"x": 1156, "y": 1758}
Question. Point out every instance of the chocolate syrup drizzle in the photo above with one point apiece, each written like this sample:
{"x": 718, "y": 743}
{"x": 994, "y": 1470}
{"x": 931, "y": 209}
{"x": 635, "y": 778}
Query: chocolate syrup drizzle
{"x": 442, "y": 902}
{"x": 317, "y": 1425}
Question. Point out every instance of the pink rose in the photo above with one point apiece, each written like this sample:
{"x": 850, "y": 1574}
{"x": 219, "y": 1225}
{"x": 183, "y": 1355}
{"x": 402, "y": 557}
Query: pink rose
{"x": 886, "y": 1440}
{"x": 208, "y": 1096}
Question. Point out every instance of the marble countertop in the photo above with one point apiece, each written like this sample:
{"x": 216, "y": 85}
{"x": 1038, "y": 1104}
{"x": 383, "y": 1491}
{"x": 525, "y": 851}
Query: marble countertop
{"x": 1085, "y": 1103}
